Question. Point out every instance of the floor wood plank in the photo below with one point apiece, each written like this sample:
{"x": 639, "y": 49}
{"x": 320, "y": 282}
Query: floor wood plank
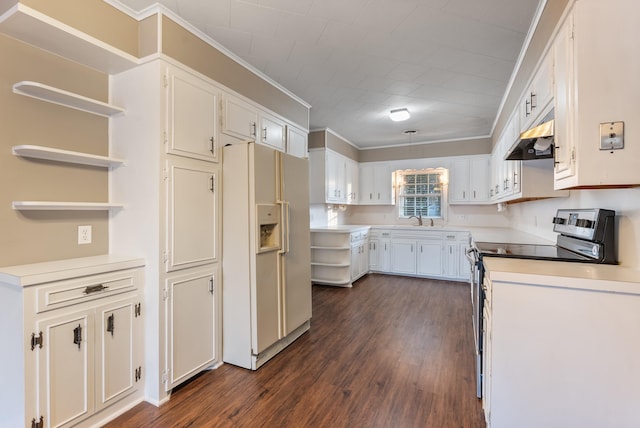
{"x": 389, "y": 352}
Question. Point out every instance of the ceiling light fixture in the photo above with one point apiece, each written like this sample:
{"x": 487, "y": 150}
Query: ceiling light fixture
{"x": 399, "y": 114}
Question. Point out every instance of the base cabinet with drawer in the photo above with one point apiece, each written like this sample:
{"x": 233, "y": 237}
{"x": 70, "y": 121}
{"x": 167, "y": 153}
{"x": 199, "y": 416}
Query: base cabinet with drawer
{"x": 78, "y": 358}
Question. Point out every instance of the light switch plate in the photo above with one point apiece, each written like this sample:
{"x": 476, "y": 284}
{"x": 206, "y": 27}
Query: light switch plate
{"x": 612, "y": 136}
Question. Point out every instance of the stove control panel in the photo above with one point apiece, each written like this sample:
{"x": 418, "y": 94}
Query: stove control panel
{"x": 588, "y": 224}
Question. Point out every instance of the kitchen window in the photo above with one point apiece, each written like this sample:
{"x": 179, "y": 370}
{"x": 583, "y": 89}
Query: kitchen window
{"x": 421, "y": 193}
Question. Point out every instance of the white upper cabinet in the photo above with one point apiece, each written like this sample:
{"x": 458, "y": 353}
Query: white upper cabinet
{"x": 239, "y": 118}
{"x": 376, "y": 184}
{"x": 192, "y": 106}
{"x": 297, "y": 142}
{"x": 538, "y": 95}
{"x": 596, "y": 93}
{"x": 273, "y": 132}
{"x": 243, "y": 121}
{"x": 351, "y": 181}
{"x": 469, "y": 180}
{"x": 333, "y": 178}
{"x": 563, "y": 60}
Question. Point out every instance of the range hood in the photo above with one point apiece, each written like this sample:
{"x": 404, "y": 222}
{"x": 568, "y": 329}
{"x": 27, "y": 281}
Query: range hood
{"x": 535, "y": 143}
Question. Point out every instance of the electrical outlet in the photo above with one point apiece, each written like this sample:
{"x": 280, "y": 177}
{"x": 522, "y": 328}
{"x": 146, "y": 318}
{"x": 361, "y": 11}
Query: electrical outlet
{"x": 84, "y": 234}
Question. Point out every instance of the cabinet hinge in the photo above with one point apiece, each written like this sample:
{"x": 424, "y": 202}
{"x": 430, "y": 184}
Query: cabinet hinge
{"x": 165, "y": 139}
{"x": 165, "y": 256}
{"x": 165, "y": 81}
{"x": 165, "y": 294}
{"x": 37, "y": 424}
{"x": 36, "y": 340}
{"x": 165, "y": 377}
{"x": 212, "y": 187}
{"x": 573, "y": 154}
{"x": 137, "y": 309}
{"x": 137, "y": 373}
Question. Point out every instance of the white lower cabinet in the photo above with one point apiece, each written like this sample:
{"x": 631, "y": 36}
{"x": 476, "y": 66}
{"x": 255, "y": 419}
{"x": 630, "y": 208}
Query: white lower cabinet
{"x": 82, "y": 326}
{"x": 565, "y": 343}
{"x": 427, "y": 253}
{"x": 193, "y": 317}
{"x": 430, "y": 257}
{"x": 403, "y": 256}
{"x": 359, "y": 259}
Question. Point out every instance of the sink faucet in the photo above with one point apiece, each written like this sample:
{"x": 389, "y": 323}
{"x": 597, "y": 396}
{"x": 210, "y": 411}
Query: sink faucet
{"x": 419, "y": 219}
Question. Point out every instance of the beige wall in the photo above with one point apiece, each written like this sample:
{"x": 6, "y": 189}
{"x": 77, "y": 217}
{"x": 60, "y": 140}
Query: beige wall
{"x": 192, "y": 51}
{"x": 431, "y": 150}
{"x": 32, "y": 236}
{"x": 340, "y": 145}
{"x": 327, "y": 139}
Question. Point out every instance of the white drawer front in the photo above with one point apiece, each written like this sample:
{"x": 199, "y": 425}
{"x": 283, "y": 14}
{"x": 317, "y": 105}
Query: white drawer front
{"x": 65, "y": 293}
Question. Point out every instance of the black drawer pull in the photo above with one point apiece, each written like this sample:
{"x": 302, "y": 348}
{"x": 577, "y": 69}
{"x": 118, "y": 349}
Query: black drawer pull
{"x": 95, "y": 288}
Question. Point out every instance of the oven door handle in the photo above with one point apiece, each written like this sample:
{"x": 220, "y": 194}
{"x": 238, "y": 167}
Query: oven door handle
{"x": 471, "y": 254}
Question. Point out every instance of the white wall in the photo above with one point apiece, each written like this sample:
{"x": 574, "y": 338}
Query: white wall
{"x": 535, "y": 217}
{"x": 322, "y": 215}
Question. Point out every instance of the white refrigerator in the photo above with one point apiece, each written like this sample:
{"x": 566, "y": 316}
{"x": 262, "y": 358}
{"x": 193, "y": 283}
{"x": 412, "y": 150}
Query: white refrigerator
{"x": 266, "y": 260}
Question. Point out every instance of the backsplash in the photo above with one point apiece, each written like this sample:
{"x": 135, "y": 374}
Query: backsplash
{"x": 535, "y": 217}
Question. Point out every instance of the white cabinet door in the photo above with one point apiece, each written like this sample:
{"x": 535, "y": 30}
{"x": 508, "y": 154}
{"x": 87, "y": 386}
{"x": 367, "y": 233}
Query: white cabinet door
{"x": 459, "y": 181}
{"x": 356, "y": 255}
{"x": 191, "y": 217}
{"x": 118, "y": 362}
{"x": 479, "y": 173}
{"x": 385, "y": 255}
{"x": 430, "y": 258}
{"x": 403, "y": 256}
{"x": 564, "y": 93}
{"x": 335, "y": 177}
{"x": 65, "y": 368}
{"x": 374, "y": 254}
{"x": 451, "y": 260}
{"x": 351, "y": 181}
{"x": 297, "y": 142}
{"x": 192, "y": 116}
{"x": 272, "y": 132}
{"x": 239, "y": 119}
{"x": 191, "y": 325}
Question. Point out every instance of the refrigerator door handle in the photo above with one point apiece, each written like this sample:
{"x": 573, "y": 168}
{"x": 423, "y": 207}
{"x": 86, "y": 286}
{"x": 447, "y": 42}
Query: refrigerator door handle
{"x": 284, "y": 224}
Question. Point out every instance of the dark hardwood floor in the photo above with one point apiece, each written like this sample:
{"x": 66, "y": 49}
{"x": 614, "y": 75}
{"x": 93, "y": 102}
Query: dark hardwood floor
{"x": 389, "y": 352}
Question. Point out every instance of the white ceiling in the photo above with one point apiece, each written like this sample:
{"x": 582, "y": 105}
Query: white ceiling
{"x": 447, "y": 61}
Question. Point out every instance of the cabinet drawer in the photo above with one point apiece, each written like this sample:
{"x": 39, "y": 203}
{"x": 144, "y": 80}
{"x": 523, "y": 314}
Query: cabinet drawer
{"x": 71, "y": 292}
{"x": 359, "y": 236}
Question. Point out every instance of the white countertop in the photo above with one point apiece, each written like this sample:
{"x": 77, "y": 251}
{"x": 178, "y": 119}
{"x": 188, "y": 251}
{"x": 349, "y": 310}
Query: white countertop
{"x": 479, "y": 234}
{"x": 343, "y": 228}
{"x": 587, "y": 276}
{"x": 38, "y": 273}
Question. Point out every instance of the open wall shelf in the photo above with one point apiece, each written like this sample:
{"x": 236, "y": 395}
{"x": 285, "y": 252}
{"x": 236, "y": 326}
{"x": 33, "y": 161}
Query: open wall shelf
{"x": 63, "y": 206}
{"x": 65, "y": 98}
{"x": 58, "y": 155}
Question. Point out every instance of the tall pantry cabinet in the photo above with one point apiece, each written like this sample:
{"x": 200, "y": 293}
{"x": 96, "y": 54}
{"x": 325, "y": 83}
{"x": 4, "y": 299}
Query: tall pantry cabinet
{"x": 171, "y": 183}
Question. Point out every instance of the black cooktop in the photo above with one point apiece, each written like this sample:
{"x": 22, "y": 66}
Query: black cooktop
{"x": 529, "y": 251}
